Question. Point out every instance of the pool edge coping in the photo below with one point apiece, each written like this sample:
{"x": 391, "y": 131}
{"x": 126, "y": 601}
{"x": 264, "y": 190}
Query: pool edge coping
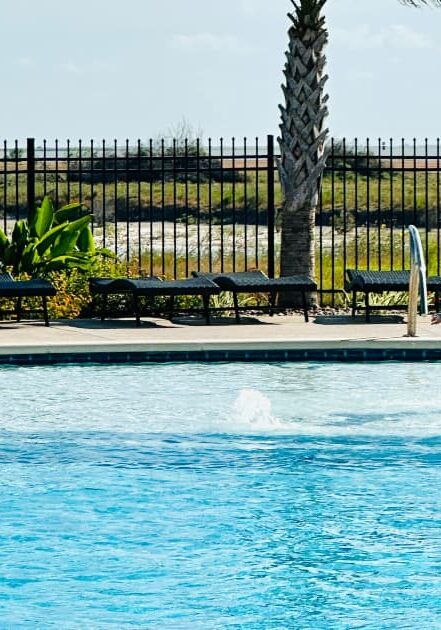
{"x": 396, "y": 349}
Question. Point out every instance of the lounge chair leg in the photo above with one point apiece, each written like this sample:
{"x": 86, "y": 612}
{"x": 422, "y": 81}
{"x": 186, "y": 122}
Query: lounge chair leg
{"x": 171, "y": 307}
{"x": 354, "y": 303}
{"x": 136, "y": 310}
{"x": 206, "y": 301}
{"x": 305, "y": 306}
{"x": 236, "y": 307}
{"x": 18, "y": 309}
{"x": 368, "y": 312}
{"x": 272, "y": 306}
{"x": 45, "y": 313}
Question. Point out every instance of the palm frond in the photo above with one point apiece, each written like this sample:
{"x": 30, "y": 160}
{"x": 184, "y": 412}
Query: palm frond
{"x": 420, "y": 3}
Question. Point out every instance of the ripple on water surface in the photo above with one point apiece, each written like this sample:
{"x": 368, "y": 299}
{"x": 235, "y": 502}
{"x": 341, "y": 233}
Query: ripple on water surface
{"x": 213, "y": 496}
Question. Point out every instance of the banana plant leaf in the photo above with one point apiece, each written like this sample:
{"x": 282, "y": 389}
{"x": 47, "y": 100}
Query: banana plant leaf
{"x": 49, "y": 239}
{"x": 86, "y": 242}
{"x": 42, "y": 218}
{"x": 30, "y": 256}
{"x": 65, "y": 243}
{"x": 20, "y": 235}
{"x": 69, "y": 262}
{"x": 70, "y": 212}
{"x": 4, "y": 242}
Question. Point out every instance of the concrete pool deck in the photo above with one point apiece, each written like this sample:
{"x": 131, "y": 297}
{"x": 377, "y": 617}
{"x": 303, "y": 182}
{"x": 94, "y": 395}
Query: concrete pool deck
{"x": 284, "y": 337}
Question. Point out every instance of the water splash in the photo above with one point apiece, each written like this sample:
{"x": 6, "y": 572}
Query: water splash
{"x": 252, "y": 410}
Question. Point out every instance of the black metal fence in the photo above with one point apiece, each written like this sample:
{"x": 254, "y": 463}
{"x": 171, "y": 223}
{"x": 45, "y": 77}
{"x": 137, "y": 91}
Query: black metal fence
{"x": 371, "y": 192}
{"x": 171, "y": 207}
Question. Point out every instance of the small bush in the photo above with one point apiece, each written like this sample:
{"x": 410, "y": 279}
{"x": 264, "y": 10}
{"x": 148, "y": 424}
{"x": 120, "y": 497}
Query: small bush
{"x": 73, "y": 297}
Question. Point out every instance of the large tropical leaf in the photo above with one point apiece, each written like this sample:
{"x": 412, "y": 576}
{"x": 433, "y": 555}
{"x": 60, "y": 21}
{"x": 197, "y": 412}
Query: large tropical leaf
{"x": 79, "y": 224}
{"x": 20, "y": 235}
{"x": 49, "y": 239}
{"x": 29, "y": 257}
{"x": 65, "y": 243}
{"x": 41, "y": 220}
{"x": 3, "y": 238}
{"x": 4, "y": 242}
{"x": 70, "y": 212}
{"x": 86, "y": 242}
{"x": 70, "y": 261}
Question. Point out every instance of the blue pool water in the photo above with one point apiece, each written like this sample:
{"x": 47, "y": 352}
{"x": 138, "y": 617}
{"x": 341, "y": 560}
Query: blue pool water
{"x": 221, "y": 496}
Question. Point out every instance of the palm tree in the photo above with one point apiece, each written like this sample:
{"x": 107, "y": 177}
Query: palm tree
{"x": 303, "y": 132}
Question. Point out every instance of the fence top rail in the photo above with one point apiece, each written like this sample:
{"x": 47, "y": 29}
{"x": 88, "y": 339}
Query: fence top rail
{"x": 382, "y": 145}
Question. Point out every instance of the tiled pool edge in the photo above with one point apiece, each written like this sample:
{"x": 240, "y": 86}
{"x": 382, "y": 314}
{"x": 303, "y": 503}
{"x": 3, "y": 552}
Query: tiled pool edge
{"x": 337, "y": 351}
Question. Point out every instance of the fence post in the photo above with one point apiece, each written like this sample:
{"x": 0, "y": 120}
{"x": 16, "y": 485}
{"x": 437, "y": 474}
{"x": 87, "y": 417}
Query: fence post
{"x": 270, "y": 201}
{"x": 30, "y": 172}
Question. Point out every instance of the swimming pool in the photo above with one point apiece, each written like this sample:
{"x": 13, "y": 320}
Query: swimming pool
{"x": 250, "y": 496}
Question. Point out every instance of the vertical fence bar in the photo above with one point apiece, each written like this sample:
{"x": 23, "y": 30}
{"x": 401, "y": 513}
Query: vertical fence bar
{"x": 198, "y": 202}
{"x": 139, "y": 204}
{"x": 45, "y": 168}
{"x": 368, "y": 206}
{"x": 127, "y": 203}
{"x": 68, "y": 169}
{"x": 438, "y": 208}
{"x": 115, "y": 194}
{"x": 210, "y": 216}
{"x": 30, "y": 168}
{"x": 426, "y": 200}
{"x": 403, "y": 202}
{"x": 175, "y": 239}
{"x": 17, "y": 188}
{"x": 57, "y": 200}
{"x": 270, "y": 202}
{"x": 5, "y": 186}
{"x": 245, "y": 204}
{"x": 233, "y": 198}
{"x": 333, "y": 223}
{"x": 356, "y": 200}
{"x": 222, "y": 204}
{"x": 345, "y": 223}
{"x": 163, "y": 206}
{"x": 379, "y": 217}
{"x": 151, "y": 204}
{"x": 391, "y": 197}
{"x": 257, "y": 206}
{"x": 92, "y": 184}
{"x": 187, "y": 216}
{"x": 415, "y": 184}
{"x": 80, "y": 168}
{"x": 321, "y": 243}
{"x": 103, "y": 188}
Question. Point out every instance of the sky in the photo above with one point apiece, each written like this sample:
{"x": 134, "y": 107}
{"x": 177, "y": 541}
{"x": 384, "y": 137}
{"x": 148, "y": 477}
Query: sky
{"x": 136, "y": 69}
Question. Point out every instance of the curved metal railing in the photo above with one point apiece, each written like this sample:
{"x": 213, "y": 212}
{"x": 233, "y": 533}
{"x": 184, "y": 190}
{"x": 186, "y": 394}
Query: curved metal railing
{"x": 417, "y": 283}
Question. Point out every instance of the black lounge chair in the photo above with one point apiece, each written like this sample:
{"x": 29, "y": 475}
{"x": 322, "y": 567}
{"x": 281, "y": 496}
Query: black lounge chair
{"x": 19, "y": 289}
{"x": 154, "y": 287}
{"x": 368, "y": 282}
{"x": 103, "y": 287}
{"x": 258, "y": 282}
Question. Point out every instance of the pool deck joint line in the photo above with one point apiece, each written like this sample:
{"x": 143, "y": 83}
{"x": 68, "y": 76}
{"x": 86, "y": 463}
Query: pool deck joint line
{"x": 263, "y": 338}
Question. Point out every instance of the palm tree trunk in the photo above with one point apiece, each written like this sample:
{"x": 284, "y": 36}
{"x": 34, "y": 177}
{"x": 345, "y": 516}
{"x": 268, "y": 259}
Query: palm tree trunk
{"x": 298, "y": 241}
{"x": 302, "y": 140}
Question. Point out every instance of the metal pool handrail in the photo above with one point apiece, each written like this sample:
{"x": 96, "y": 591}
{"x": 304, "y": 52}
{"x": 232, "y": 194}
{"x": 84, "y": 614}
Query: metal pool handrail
{"x": 417, "y": 283}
